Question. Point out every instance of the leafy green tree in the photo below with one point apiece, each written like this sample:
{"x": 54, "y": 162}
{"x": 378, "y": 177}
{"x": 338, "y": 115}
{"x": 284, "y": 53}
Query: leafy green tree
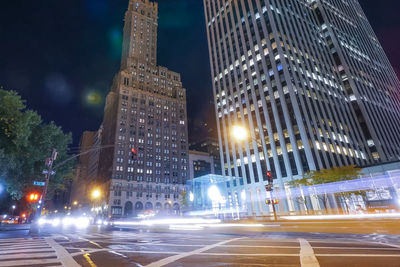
{"x": 184, "y": 199}
{"x": 25, "y": 143}
{"x": 324, "y": 176}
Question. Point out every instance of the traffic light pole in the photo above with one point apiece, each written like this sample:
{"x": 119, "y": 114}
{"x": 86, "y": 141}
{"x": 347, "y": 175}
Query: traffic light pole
{"x": 49, "y": 172}
{"x": 49, "y": 164}
{"x": 273, "y": 208}
{"x": 269, "y": 188}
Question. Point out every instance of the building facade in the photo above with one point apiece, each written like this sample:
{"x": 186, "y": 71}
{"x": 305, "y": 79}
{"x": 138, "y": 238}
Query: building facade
{"x": 145, "y": 111}
{"x": 209, "y": 145}
{"x": 308, "y": 79}
{"x": 200, "y": 164}
{"x": 80, "y": 184}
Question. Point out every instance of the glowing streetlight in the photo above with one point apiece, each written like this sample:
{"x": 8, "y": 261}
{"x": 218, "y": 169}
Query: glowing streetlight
{"x": 239, "y": 133}
{"x": 13, "y": 207}
{"x": 75, "y": 203}
{"x": 96, "y": 193}
{"x": 214, "y": 194}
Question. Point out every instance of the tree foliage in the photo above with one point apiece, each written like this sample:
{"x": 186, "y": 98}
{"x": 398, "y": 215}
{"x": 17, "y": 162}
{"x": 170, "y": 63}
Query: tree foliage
{"x": 184, "y": 199}
{"x": 336, "y": 174}
{"x": 25, "y": 143}
{"x": 324, "y": 176}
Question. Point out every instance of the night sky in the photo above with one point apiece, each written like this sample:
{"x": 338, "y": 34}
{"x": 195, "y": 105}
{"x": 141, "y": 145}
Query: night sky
{"x": 62, "y": 55}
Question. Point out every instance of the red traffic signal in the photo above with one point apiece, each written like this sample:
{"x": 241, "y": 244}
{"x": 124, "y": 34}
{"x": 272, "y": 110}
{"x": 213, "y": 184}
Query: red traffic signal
{"x": 33, "y": 197}
{"x": 134, "y": 153}
{"x": 269, "y": 177}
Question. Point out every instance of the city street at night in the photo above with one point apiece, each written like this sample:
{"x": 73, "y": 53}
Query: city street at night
{"x": 200, "y": 133}
{"x": 262, "y": 244}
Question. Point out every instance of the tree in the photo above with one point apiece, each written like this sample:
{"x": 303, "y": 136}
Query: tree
{"x": 184, "y": 199}
{"x": 324, "y": 176}
{"x": 25, "y": 143}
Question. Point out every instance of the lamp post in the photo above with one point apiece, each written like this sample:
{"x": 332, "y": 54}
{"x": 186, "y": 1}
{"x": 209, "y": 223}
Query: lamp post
{"x": 241, "y": 134}
{"x": 96, "y": 194}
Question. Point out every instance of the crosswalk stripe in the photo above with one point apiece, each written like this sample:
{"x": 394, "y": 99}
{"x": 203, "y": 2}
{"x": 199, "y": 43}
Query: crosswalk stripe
{"x": 307, "y": 256}
{"x": 62, "y": 253}
{"x": 23, "y": 244}
{"x": 26, "y": 250}
{"x": 32, "y": 256}
{"x": 28, "y": 262}
{"x": 10, "y": 240}
{"x": 24, "y": 247}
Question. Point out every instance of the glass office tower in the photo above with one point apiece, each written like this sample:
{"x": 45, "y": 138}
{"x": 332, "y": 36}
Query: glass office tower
{"x": 309, "y": 99}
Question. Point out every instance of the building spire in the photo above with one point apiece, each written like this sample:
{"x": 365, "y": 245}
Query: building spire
{"x": 140, "y": 33}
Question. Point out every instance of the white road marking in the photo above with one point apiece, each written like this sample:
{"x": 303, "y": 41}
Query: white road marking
{"x": 23, "y": 246}
{"x": 314, "y": 247}
{"x": 11, "y": 240}
{"x": 251, "y": 255}
{"x": 28, "y": 250}
{"x": 28, "y": 262}
{"x": 358, "y": 255}
{"x": 15, "y": 252}
{"x": 249, "y": 246}
{"x": 36, "y": 255}
{"x": 62, "y": 254}
{"x": 307, "y": 256}
{"x": 124, "y": 251}
{"x": 174, "y": 258}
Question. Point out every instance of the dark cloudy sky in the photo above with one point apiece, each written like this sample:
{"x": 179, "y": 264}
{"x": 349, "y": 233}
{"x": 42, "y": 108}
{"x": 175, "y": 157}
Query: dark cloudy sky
{"x": 56, "y": 53}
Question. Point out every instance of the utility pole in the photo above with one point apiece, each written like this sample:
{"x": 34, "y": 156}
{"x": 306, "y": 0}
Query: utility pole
{"x": 49, "y": 172}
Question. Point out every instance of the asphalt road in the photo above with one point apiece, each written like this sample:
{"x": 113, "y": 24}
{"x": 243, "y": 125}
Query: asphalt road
{"x": 95, "y": 246}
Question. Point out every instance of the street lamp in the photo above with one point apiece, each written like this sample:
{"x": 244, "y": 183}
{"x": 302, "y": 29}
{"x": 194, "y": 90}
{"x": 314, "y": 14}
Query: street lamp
{"x": 75, "y": 203}
{"x": 96, "y": 194}
{"x": 240, "y": 133}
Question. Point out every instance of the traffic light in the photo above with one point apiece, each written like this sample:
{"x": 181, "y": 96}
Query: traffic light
{"x": 33, "y": 197}
{"x": 134, "y": 153}
{"x": 269, "y": 177}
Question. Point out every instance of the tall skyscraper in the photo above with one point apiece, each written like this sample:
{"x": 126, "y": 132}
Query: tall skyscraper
{"x": 367, "y": 75}
{"x": 310, "y": 82}
{"x": 144, "y": 158}
{"x": 80, "y": 183}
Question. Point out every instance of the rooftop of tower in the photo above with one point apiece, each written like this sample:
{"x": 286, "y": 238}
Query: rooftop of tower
{"x": 134, "y": 4}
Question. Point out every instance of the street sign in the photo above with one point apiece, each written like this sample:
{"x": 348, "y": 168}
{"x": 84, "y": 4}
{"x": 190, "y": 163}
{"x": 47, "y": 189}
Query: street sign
{"x": 269, "y": 187}
{"x": 39, "y": 183}
{"x": 269, "y": 202}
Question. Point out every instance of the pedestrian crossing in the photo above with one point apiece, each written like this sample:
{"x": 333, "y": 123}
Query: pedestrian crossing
{"x": 27, "y": 252}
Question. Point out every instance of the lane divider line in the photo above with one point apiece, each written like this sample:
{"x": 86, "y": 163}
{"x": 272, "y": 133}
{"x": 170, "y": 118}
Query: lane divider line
{"x": 174, "y": 258}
